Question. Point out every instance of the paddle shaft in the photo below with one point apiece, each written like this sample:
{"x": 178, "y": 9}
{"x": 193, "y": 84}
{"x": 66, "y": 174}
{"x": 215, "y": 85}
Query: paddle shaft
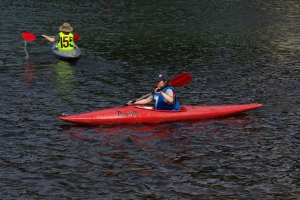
{"x": 30, "y": 36}
{"x": 143, "y": 97}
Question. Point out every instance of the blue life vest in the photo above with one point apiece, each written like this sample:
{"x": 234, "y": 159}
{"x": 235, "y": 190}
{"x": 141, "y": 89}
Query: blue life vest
{"x": 160, "y": 103}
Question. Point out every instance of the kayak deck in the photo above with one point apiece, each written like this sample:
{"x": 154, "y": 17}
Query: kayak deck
{"x": 66, "y": 55}
{"x": 141, "y": 114}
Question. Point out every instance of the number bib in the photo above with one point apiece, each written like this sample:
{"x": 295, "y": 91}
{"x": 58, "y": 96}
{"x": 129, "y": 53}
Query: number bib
{"x": 66, "y": 42}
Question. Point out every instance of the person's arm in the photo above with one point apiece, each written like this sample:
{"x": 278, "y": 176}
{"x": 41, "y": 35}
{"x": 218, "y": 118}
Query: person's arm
{"x": 50, "y": 39}
{"x": 168, "y": 96}
{"x": 140, "y": 102}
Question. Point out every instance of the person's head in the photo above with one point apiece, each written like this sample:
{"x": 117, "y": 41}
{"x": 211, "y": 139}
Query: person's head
{"x": 66, "y": 27}
{"x": 161, "y": 79}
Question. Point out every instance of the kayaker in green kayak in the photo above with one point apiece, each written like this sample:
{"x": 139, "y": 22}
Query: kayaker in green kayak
{"x": 64, "y": 39}
{"x": 164, "y": 95}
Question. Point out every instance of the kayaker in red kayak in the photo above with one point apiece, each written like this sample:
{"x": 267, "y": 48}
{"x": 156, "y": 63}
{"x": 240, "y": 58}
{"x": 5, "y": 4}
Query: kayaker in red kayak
{"x": 164, "y": 96}
{"x": 64, "y": 39}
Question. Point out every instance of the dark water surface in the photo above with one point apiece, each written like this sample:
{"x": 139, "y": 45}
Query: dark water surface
{"x": 237, "y": 52}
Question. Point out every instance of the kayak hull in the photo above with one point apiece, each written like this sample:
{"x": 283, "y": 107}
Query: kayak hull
{"x": 66, "y": 55}
{"x": 146, "y": 114}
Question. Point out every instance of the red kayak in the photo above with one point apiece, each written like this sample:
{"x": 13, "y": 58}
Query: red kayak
{"x": 146, "y": 114}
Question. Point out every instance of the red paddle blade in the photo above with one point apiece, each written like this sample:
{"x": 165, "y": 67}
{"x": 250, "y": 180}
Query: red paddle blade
{"x": 76, "y": 37}
{"x": 28, "y": 36}
{"x": 181, "y": 80}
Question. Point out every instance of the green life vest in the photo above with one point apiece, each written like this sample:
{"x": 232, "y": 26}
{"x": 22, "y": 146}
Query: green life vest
{"x": 66, "y": 42}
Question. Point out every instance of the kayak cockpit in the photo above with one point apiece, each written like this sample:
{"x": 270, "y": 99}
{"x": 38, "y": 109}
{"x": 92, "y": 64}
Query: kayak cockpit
{"x": 182, "y": 108}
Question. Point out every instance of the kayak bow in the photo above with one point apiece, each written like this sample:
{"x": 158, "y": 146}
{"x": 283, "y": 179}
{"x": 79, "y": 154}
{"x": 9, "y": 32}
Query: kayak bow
{"x": 146, "y": 114}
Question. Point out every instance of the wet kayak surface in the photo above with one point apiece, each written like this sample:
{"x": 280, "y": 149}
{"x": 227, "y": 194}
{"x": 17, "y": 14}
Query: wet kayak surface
{"x": 149, "y": 115}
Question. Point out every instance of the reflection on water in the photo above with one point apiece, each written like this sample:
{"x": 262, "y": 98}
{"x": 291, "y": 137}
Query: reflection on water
{"x": 156, "y": 157}
{"x": 65, "y": 79}
{"x": 25, "y": 49}
{"x": 29, "y": 71}
{"x": 148, "y": 132}
{"x": 281, "y": 37}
